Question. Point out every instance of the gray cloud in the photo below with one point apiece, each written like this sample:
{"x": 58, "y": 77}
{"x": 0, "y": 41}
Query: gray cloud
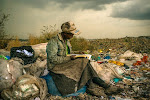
{"x": 86, "y": 4}
{"x": 139, "y": 10}
{"x": 2, "y": 2}
{"x": 32, "y": 3}
{"x": 76, "y": 4}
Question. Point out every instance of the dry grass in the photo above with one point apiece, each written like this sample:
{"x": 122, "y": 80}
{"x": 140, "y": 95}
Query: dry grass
{"x": 3, "y": 43}
{"x": 47, "y": 33}
{"x": 79, "y": 44}
{"x": 33, "y": 40}
{"x": 13, "y": 43}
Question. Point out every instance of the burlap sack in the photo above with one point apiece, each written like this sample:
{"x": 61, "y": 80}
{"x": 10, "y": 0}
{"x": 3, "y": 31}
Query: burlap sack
{"x": 10, "y": 70}
{"x": 26, "y": 87}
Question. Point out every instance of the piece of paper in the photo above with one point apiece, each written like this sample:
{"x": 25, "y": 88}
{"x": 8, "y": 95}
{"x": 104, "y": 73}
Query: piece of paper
{"x": 88, "y": 56}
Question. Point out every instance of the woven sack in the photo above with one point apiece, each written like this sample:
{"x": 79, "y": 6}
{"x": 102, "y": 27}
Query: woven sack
{"x": 27, "y": 87}
{"x": 10, "y": 70}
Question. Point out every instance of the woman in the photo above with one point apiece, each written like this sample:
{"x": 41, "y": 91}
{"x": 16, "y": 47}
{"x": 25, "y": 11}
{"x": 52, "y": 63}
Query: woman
{"x": 70, "y": 73}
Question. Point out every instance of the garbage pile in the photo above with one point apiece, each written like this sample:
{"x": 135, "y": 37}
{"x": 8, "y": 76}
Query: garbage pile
{"x": 136, "y": 44}
{"x": 128, "y": 70}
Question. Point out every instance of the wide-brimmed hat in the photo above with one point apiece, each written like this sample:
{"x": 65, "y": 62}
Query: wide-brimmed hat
{"x": 69, "y": 27}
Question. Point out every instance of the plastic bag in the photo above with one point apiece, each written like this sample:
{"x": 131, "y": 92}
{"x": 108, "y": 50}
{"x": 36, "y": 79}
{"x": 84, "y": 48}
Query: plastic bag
{"x": 10, "y": 70}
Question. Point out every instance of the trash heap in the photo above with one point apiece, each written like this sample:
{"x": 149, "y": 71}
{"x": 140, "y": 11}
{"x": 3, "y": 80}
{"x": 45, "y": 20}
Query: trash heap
{"x": 20, "y": 74}
{"x": 136, "y": 44}
{"x": 128, "y": 70}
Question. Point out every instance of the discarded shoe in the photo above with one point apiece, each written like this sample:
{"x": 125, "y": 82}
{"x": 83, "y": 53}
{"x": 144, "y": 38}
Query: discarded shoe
{"x": 96, "y": 90}
{"x": 113, "y": 90}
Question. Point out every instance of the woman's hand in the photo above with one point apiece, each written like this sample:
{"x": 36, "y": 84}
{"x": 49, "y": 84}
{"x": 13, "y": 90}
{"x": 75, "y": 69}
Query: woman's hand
{"x": 81, "y": 52}
{"x": 73, "y": 57}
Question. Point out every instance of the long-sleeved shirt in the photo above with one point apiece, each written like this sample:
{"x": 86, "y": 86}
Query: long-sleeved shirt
{"x": 56, "y": 51}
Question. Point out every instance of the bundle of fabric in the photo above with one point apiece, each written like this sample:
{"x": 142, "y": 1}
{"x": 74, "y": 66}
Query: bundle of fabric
{"x": 129, "y": 55}
{"x": 37, "y": 68}
{"x": 108, "y": 71}
{"x": 33, "y": 65}
{"x": 10, "y": 70}
{"x": 40, "y": 50}
{"x": 26, "y": 87}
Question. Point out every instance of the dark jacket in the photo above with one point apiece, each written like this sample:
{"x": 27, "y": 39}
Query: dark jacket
{"x": 56, "y": 51}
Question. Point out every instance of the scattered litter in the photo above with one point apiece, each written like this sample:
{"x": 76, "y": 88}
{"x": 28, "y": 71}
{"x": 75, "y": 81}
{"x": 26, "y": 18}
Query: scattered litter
{"x": 128, "y": 70}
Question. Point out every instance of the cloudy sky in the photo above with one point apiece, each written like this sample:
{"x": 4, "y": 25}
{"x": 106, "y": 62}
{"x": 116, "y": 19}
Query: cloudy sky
{"x": 94, "y": 18}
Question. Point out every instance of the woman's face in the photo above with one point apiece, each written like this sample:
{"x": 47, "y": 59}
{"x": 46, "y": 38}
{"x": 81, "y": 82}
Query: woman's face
{"x": 68, "y": 35}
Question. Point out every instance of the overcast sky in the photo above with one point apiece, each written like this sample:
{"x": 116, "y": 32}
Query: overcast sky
{"x": 94, "y": 18}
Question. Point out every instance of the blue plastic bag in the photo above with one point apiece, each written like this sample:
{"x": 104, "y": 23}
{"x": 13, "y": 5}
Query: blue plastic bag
{"x": 8, "y": 57}
{"x": 107, "y": 57}
{"x": 52, "y": 89}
